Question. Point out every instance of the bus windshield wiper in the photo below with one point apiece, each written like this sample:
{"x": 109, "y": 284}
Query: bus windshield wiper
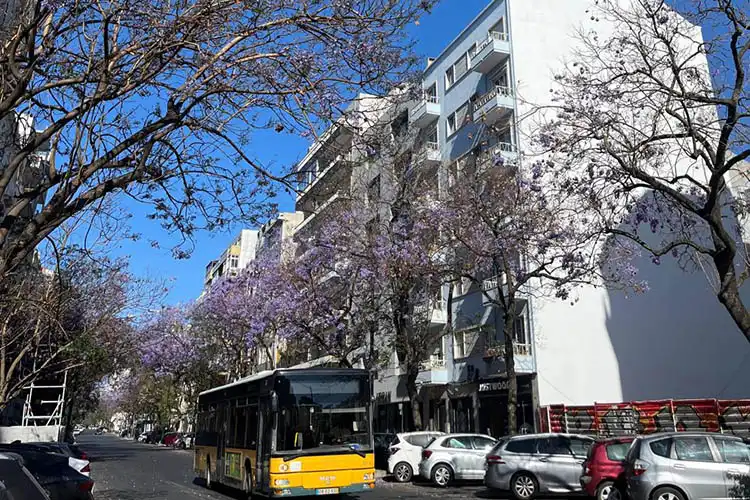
{"x": 355, "y": 449}
{"x": 292, "y": 457}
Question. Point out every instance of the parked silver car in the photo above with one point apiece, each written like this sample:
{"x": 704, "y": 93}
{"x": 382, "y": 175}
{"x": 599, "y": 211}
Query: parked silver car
{"x": 455, "y": 456}
{"x": 687, "y": 466}
{"x": 530, "y": 464}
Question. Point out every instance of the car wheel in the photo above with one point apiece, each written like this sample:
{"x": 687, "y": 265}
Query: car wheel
{"x": 402, "y": 472}
{"x": 442, "y": 475}
{"x": 524, "y": 486}
{"x": 607, "y": 491}
{"x": 667, "y": 493}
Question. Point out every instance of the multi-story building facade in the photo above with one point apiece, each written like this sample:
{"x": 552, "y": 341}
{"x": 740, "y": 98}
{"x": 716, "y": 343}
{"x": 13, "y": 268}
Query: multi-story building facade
{"x": 275, "y": 236}
{"x": 235, "y": 258}
{"x": 276, "y": 244}
{"x": 675, "y": 341}
{"x": 334, "y": 168}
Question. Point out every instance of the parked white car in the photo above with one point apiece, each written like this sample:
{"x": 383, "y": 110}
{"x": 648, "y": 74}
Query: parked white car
{"x": 405, "y": 453}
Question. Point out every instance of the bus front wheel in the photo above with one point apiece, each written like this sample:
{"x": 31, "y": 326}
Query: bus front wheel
{"x": 208, "y": 473}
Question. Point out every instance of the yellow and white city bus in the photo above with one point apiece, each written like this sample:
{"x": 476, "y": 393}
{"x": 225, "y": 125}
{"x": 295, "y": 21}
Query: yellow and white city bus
{"x": 288, "y": 432}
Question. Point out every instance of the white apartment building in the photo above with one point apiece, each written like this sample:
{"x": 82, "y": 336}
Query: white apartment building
{"x": 236, "y": 257}
{"x": 675, "y": 341}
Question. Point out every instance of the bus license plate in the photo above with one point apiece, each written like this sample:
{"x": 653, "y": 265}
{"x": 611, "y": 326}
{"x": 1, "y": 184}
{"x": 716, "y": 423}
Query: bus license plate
{"x": 327, "y": 491}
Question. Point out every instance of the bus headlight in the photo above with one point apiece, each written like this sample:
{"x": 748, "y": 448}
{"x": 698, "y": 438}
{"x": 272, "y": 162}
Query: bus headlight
{"x": 369, "y": 477}
{"x": 281, "y": 482}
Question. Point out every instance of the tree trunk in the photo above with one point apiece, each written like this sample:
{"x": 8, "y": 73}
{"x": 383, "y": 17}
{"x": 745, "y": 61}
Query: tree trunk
{"x": 510, "y": 365}
{"x": 729, "y": 294}
{"x": 413, "y": 391}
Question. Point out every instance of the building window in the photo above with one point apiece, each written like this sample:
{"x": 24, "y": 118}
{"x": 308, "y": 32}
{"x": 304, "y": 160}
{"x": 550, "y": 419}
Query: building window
{"x": 458, "y": 345}
{"x": 472, "y": 51}
{"x": 450, "y": 77}
{"x": 451, "y": 124}
{"x": 234, "y": 261}
{"x": 461, "y": 67}
{"x": 373, "y": 190}
{"x": 470, "y": 341}
{"x": 519, "y": 330}
{"x": 458, "y": 119}
{"x": 430, "y": 93}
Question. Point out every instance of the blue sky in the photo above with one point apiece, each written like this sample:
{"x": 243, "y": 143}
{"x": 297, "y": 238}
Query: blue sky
{"x": 433, "y": 33}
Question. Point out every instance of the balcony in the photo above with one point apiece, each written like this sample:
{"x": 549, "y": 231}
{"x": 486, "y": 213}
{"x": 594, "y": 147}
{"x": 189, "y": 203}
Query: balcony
{"x": 425, "y": 112}
{"x": 435, "y": 310}
{"x": 495, "y": 105}
{"x": 489, "y": 290}
{"x": 429, "y": 153}
{"x": 492, "y": 51}
{"x": 522, "y": 355}
{"x": 498, "y": 350}
{"x": 316, "y": 218}
{"x": 334, "y": 174}
{"x": 502, "y": 153}
{"x": 433, "y": 370}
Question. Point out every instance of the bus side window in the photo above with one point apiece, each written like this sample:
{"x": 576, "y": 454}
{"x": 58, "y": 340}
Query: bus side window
{"x": 252, "y": 427}
{"x": 241, "y": 427}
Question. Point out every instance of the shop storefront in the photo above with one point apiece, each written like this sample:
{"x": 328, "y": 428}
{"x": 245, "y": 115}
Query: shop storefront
{"x": 493, "y": 405}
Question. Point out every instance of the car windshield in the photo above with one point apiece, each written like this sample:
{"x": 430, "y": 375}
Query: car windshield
{"x": 325, "y": 411}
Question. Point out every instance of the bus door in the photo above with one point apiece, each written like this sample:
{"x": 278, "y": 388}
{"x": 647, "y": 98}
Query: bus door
{"x": 221, "y": 443}
{"x": 266, "y": 433}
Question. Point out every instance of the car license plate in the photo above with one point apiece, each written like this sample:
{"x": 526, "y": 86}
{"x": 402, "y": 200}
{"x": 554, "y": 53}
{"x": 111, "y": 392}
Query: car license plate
{"x": 327, "y": 491}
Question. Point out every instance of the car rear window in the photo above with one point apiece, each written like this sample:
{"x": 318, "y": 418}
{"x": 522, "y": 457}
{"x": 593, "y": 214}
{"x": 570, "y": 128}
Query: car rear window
{"x": 527, "y": 445}
{"x": 661, "y": 447}
{"x": 420, "y": 440}
{"x": 617, "y": 451}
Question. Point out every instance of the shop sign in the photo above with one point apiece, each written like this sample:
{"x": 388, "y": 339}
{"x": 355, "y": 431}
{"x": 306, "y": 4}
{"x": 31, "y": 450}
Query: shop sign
{"x": 503, "y": 385}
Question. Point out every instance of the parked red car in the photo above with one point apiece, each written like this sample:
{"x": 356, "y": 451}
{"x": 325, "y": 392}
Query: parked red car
{"x": 604, "y": 469}
{"x": 169, "y": 438}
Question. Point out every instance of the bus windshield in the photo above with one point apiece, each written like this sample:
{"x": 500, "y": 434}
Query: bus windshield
{"x": 323, "y": 411}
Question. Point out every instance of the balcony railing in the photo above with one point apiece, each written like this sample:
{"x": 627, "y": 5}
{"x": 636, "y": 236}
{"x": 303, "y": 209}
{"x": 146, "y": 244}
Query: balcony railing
{"x": 426, "y": 111}
{"x": 493, "y": 35}
{"x": 500, "y": 154}
{"x": 434, "y": 363}
{"x": 323, "y": 169}
{"x": 432, "y": 146}
{"x": 498, "y": 350}
{"x": 499, "y": 90}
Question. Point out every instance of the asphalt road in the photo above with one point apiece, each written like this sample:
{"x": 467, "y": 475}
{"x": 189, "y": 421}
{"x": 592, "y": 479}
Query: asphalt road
{"x": 126, "y": 470}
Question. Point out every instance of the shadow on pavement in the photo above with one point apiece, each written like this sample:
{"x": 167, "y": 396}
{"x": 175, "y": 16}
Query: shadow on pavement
{"x": 131, "y": 495}
{"x": 487, "y": 493}
{"x": 220, "y": 488}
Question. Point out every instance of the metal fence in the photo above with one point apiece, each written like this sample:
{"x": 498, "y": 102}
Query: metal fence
{"x": 730, "y": 416}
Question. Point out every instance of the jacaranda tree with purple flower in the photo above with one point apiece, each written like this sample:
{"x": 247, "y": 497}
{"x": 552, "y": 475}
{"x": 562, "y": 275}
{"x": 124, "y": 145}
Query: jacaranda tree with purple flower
{"x": 515, "y": 235}
{"x": 160, "y": 101}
